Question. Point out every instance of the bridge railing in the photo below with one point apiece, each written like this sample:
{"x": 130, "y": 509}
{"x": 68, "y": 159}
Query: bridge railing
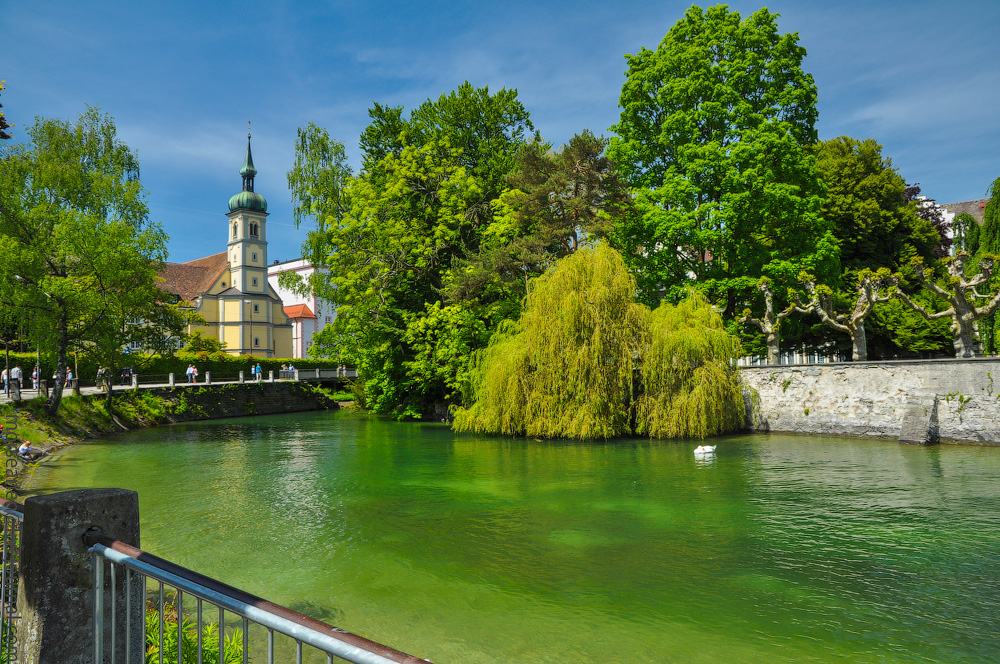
{"x": 11, "y": 518}
{"x": 172, "y": 631}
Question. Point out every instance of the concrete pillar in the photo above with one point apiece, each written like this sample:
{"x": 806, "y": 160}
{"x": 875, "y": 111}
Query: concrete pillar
{"x": 55, "y": 594}
{"x": 208, "y": 377}
{"x": 270, "y": 376}
{"x": 296, "y": 374}
{"x": 170, "y": 379}
{"x": 317, "y": 373}
{"x": 135, "y": 381}
{"x": 242, "y": 379}
{"x": 75, "y": 385}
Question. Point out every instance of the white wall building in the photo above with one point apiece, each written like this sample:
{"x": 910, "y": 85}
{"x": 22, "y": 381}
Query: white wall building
{"x": 309, "y": 314}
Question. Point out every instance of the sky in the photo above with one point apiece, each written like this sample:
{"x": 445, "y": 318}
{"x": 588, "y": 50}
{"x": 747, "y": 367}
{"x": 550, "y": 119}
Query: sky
{"x": 182, "y": 79}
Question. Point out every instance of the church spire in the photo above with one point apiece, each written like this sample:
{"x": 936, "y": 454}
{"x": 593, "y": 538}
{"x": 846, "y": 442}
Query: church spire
{"x": 248, "y": 170}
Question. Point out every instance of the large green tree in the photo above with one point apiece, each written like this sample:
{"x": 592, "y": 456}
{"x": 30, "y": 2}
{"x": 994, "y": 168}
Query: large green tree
{"x": 80, "y": 254}
{"x": 715, "y": 134}
{"x": 421, "y": 204}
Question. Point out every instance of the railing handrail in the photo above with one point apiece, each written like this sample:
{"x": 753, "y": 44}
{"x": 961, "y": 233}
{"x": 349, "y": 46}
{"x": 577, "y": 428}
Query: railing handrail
{"x": 11, "y": 508}
{"x": 283, "y": 620}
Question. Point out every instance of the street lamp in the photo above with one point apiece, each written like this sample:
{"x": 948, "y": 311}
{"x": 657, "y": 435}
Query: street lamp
{"x": 250, "y": 302}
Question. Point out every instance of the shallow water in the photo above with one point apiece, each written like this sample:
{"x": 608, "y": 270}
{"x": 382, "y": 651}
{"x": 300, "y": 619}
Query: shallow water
{"x": 469, "y": 549}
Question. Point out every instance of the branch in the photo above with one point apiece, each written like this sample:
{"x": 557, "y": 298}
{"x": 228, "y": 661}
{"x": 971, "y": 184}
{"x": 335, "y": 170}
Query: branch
{"x": 947, "y": 313}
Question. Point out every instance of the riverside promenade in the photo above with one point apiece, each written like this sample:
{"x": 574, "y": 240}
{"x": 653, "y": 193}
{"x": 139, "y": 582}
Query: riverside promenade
{"x": 330, "y": 377}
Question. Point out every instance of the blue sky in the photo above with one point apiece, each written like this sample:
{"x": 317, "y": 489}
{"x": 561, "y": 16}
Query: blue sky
{"x": 182, "y": 79}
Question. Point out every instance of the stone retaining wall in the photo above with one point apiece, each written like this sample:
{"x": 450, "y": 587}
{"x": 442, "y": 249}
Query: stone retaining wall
{"x": 206, "y": 402}
{"x": 959, "y": 399}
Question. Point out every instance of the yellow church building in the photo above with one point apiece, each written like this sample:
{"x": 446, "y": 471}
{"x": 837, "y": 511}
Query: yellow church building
{"x": 230, "y": 289}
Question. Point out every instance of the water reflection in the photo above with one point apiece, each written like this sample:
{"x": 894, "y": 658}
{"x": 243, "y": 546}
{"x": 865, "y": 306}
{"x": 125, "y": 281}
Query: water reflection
{"x": 459, "y": 548}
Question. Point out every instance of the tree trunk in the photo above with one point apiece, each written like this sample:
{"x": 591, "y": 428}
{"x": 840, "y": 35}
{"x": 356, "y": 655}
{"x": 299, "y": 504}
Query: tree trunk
{"x": 773, "y": 348}
{"x": 61, "y": 351}
{"x": 965, "y": 338}
{"x": 860, "y": 342}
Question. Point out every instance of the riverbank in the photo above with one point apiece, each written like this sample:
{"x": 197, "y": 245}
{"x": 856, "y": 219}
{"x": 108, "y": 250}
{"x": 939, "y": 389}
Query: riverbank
{"x": 86, "y": 416}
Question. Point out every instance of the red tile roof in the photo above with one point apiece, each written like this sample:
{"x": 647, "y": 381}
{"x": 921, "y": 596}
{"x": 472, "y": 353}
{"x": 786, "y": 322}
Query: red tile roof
{"x": 192, "y": 279}
{"x": 294, "y": 311}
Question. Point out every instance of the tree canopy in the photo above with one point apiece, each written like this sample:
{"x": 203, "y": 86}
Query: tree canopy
{"x": 715, "y": 135}
{"x": 80, "y": 254}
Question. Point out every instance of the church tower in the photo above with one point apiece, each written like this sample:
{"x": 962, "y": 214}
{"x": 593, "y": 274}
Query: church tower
{"x": 229, "y": 290}
{"x": 248, "y": 234}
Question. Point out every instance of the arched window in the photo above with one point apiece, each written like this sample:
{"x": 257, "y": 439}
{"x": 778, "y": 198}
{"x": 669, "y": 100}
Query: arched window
{"x": 234, "y": 231}
{"x": 254, "y": 230}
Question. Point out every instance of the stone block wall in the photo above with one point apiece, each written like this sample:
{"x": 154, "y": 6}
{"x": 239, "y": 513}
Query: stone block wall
{"x": 206, "y": 402}
{"x": 960, "y": 398}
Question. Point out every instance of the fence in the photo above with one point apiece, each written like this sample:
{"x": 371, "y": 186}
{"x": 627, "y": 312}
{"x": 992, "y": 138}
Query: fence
{"x": 10, "y": 522}
{"x": 87, "y": 595}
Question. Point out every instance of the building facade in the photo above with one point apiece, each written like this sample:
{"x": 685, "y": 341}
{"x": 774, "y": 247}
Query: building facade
{"x": 230, "y": 289}
{"x": 309, "y": 314}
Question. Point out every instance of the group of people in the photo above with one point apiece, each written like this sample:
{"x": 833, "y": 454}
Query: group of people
{"x": 192, "y": 373}
{"x": 10, "y": 377}
{"x": 256, "y": 372}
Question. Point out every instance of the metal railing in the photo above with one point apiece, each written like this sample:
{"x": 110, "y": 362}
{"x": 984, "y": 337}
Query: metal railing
{"x": 170, "y": 632}
{"x": 11, "y": 518}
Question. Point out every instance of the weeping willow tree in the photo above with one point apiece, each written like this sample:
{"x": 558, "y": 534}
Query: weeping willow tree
{"x": 586, "y": 361}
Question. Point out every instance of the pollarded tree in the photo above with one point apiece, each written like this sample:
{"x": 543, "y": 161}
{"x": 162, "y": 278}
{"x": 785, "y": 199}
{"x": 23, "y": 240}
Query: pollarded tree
{"x": 961, "y": 294}
{"x": 715, "y": 135}
{"x": 872, "y": 287}
{"x": 586, "y": 361}
{"x": 770, "y": 322}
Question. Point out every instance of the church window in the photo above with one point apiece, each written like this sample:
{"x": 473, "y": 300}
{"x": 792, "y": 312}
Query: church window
{"x": 255, "y": 281}
{"x": 254, "y": 230}
{"x": 234, "y": 231}
{"x": 255, "y": 256}
{"x": 256, "y": 342}
{"x": 256, "y": 309}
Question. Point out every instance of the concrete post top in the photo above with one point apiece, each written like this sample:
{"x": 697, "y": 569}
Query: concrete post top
{"x": 80, "y": 496}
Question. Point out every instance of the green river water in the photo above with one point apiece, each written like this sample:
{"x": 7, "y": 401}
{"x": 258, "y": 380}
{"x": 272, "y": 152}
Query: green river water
{"x": 472, "y": 549}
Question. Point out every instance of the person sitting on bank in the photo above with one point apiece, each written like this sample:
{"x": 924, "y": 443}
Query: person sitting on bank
{"x": 26, "y": 451}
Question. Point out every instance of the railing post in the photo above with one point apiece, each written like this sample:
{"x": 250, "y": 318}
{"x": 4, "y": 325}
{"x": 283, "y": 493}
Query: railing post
{"x": 135, "y": 381}
{"x": 296, "y": 374}
{"x": 56, "y": 590}
{"x": 242, "y": 379}
{"x": 270, "y": 376}
{"x": 171, "y": 379}
{"x": 208, "y": 377}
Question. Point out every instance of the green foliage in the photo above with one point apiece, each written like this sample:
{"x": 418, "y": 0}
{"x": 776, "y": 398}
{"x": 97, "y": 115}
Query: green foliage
{"x": 690, "y": 387}
{"x": 232, "y": 646}
{"x": 559, "y": 202}
{"x": 197, "y": 343}
{"x": 966, "y": 233}
{"x": 80, "y": 254}
{"x": 419, "y": 208}
{"x": 715, "y": 135}
{"x": 874, "y": 224}
{"x": 586, "y": 361}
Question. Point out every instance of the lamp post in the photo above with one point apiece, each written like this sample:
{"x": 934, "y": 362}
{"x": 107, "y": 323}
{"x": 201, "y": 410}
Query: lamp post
{"x": 250, "y": 302}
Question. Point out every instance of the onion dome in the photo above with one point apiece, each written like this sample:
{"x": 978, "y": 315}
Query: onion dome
{"x": 247, "y": 199}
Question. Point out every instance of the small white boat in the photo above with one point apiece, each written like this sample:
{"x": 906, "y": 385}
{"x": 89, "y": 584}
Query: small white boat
{"x": 704, "y": 450}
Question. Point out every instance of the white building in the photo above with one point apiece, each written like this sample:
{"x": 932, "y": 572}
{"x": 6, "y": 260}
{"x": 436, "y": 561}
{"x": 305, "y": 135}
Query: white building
{"x": 308, "y": 313}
